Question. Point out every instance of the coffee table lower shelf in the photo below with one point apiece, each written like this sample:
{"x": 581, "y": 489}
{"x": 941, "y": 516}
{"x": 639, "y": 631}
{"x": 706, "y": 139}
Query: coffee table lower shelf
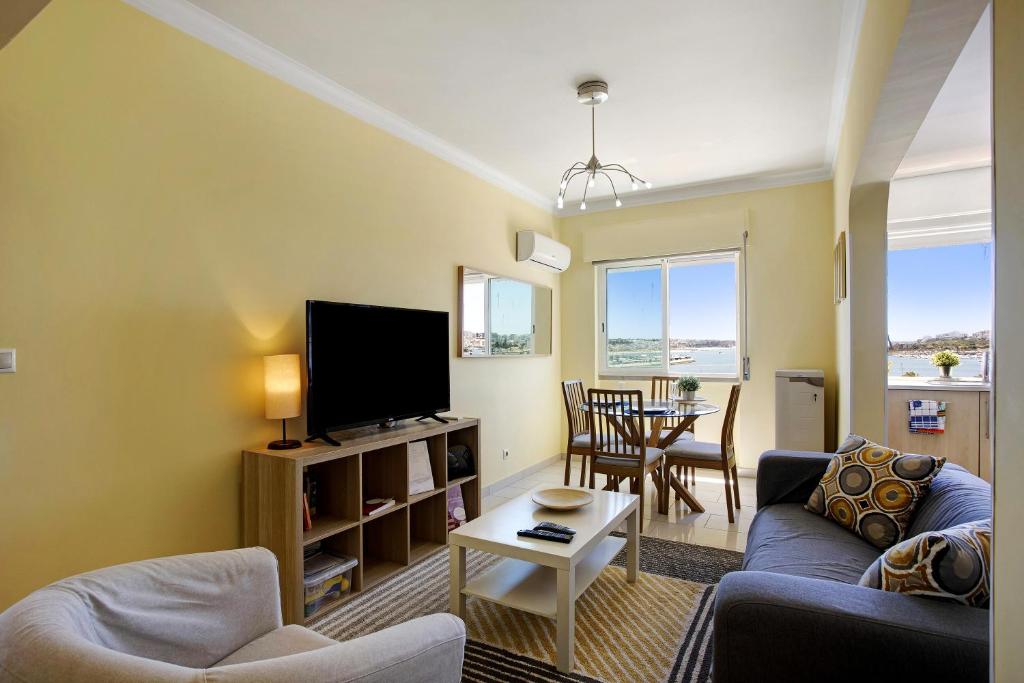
{"x": 534, "y": 588}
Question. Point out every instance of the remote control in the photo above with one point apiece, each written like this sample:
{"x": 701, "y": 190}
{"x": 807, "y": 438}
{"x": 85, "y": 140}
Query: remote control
{"x": 557, "y": 528}
{"x": 545, "y": 535}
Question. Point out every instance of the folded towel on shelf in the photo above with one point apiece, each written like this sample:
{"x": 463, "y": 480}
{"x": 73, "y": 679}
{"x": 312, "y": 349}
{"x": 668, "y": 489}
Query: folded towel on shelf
{"x": 927, "y": 417}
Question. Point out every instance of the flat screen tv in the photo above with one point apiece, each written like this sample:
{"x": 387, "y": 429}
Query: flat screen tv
{"x": 373, "y": 364}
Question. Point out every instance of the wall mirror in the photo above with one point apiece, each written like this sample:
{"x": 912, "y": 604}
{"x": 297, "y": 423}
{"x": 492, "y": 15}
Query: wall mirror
{"x": 499, "y": 316}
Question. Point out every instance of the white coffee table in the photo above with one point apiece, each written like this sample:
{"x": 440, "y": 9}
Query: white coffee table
{"x": 545, "y": 577}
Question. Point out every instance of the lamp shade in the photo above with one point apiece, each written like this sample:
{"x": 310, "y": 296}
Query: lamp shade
{"x": 283, "y": 385}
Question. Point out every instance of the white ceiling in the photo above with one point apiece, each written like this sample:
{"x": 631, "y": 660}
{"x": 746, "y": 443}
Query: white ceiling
{"x": 700, "y": 91}
{"x": 957, "y": 131}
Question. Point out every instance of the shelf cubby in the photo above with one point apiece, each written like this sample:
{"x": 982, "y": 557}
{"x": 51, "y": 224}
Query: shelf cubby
{"x": 469, "y": 437}
{"x": 428, "y": 528}
{"x": 386, "y": 473}
{"x": 385, "y": 546}
{"x": 437, "y": 448}
{"x": 337, "y": 504}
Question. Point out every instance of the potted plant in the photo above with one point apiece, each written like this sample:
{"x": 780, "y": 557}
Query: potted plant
{"x": 687, "y": 385}
{"x": 944, "y": 360}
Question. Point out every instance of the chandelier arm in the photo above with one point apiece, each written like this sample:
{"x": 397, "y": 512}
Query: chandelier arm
{"x": 570, "y": 178}
{"x": 610, "y": 182}
{"x": 579, "y": 164}
{"x": 621, "y": 169}
{"x": 583, "y": 202}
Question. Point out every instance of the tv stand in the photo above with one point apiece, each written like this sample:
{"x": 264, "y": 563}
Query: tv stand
{"x": 326, "y": 438}
{"x": 432, "y": 416}
{"x": 369, "y": 463}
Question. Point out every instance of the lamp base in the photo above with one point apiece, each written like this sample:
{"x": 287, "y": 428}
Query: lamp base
{"x": 284, "y": 444}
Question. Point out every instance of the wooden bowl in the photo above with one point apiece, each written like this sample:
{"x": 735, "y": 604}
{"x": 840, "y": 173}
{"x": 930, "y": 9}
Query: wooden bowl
{"x": 562, "y": 498}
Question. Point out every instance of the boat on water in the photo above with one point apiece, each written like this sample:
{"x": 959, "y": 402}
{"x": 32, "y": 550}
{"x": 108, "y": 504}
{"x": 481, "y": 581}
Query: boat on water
{"x": 679, "y": 360}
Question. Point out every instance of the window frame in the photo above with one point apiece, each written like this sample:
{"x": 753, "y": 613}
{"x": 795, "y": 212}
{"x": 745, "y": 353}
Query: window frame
{"x": 665, "y": 263}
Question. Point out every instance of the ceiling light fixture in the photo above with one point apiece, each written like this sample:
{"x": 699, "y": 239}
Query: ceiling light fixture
{"x": 593, "y": 93}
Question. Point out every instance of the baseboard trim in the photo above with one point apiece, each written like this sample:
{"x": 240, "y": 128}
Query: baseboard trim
{"x": 522, "y": 474}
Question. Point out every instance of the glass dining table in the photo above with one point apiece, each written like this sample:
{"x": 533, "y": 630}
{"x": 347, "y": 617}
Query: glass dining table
{"x": 668, "y": 420}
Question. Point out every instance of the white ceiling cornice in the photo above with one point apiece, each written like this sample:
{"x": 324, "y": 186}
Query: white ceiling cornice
{"x": 846, "y": 57}
{"x": 711, "y": 188}
{"x": 210, "y": 29}
{"x": 213, "y": 31}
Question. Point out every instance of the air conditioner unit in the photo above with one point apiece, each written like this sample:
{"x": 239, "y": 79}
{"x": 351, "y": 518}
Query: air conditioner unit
{"x": 542, "y": 250}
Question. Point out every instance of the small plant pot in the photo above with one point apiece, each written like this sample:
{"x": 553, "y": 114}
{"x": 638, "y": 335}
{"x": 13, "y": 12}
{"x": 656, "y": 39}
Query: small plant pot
{"x": 944, "y": 371}
{"x": 687, "y": 395}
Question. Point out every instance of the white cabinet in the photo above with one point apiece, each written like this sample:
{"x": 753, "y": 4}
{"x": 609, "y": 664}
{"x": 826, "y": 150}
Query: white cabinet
{"x": 800, "y": 410}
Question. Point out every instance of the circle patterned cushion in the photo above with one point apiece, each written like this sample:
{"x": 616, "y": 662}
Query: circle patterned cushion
{"x": 872, "y": 490}
{"x": 952, "y": 564}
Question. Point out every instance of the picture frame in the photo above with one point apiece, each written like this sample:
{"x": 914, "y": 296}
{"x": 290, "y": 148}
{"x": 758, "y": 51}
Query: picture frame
{"x": 839, "y": 269}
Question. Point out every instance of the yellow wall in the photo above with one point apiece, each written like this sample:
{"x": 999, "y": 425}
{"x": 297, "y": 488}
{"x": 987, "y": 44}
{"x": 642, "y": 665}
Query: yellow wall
{"x": 166, "y": 210}
{"x": 1008, "y": 371}
{"x": 790, "y": 294}
{"x": 880, "y": 31}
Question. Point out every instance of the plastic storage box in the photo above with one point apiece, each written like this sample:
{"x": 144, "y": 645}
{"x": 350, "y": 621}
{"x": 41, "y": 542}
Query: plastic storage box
{"x": 326, "y": 578}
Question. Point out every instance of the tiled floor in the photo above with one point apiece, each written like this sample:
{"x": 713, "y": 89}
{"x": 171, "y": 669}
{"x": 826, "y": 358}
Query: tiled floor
{"x": 711, "y": 527}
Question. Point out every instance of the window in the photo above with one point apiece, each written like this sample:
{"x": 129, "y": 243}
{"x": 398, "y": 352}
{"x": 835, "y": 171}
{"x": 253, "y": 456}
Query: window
{"x": 674, "y": 315}
{"x": 930, "y": 312}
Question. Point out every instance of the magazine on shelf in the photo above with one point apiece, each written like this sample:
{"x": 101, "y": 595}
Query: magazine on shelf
{"x": 421, "y": 477}
{"x": 456, "y": 508}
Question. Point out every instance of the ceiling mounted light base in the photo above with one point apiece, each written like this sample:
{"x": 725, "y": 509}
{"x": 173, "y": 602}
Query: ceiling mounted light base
{"x": 593, "y": 93}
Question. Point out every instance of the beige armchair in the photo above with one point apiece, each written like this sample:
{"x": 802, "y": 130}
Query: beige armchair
{"x": 206, "y": 617}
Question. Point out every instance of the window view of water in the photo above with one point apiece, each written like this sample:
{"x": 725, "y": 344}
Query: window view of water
{"x": 901, "y": 366}
{"x": 925, "y": 321}
{"x": 699, "y": 309}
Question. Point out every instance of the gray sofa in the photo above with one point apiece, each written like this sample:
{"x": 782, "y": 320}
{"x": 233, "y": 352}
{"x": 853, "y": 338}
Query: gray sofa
{"x": 204, "y": 618}
{"x": 796, "y": 613}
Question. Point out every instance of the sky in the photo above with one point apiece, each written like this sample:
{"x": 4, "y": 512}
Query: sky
{"x": 702, "y": 302}
{"x": 939, "y": 289}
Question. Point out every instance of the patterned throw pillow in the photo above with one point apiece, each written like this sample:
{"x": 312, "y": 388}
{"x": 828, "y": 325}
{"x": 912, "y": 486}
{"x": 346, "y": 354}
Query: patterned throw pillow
{"x": 951, "y": 564}
{"x": 873, "y": 490}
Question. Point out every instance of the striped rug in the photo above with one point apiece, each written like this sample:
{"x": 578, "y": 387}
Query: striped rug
{"x": 658, "y": 629}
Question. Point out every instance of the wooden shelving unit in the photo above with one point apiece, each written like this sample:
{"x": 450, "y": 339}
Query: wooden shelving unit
{"x": 369, "y": 463}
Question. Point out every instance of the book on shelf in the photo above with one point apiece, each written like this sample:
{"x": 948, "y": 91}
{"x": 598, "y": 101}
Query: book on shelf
{"x": 307, "y": 520}
{"x": 374, "y": 506}
{"x": 421, "y": 477}
{"x": 309, "y": 488}
{"x": 456, "y": 508}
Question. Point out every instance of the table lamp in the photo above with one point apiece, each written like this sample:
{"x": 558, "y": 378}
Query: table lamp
{"x": 282, "y": 381}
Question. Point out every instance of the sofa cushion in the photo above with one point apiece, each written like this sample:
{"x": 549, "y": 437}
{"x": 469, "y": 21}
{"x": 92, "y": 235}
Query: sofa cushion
{"x": 288, "y": 640}
{"x": 953, "y": 564}
{"x": 956, "y": 497}
{"x": 872, "y": 490}
{"x": 787, "y": 539}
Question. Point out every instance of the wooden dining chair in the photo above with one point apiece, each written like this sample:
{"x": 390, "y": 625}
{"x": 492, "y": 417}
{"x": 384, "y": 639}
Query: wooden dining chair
{"x": 661, "y": 390}
{"x": 619, "y": 449}
{"x": 574, "y": 396}
{"x": 712, "y": 456}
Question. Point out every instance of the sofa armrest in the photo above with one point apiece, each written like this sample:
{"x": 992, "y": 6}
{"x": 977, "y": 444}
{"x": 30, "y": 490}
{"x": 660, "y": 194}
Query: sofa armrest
{"x": 789, "y": 476}
{"x": 424, "y": 650}
{"x": 775, "y": 627}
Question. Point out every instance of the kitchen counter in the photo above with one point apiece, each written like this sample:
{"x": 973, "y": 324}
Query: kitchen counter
{"x": 966, "y": 439}
{"x": 935, "y": 384}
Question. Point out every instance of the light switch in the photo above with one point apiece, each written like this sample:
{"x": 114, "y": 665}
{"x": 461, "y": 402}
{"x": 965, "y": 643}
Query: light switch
{"x": 7, "y": 363}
